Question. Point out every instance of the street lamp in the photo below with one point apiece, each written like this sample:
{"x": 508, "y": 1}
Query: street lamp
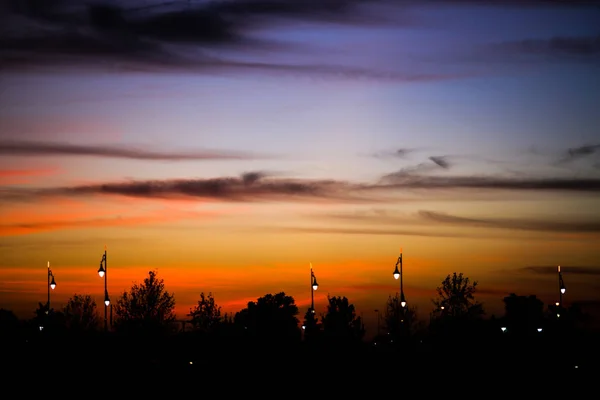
{"x": 103, "y": 272}
{"x": 313, "y": 286}
{"x": 561, "y": 287}
{"x": 398, "y": 274}
{"x": 51, "y": 285}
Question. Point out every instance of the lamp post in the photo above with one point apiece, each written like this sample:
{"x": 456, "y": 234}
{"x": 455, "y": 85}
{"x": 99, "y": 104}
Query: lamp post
{"x": 51, "y": 285}
{"x": 561, "y": 287}
{"x": 102, "y": 271}
{"x": 398, "y": 274}
{"x": 313, "y": 286}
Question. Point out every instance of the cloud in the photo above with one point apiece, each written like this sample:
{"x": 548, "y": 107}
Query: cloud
{"x": 249, "y": 187}
{"x": 179, "y": 36}
{"x": 576, "y": 153}
{"x": 419, "y": 169}
{"x": 399, "y": 153}
{"x": 571, "y": 270}
{"x": 363, "y": 231}
{"x": 15, "y": 148}
{"x": 555, "y": 46}
{"x": 24, "y": 228}
{"x": 408, "y": 180}
{"x": 258, "y": 186}
{"x": 440, "y": 161}
{"x": 20, "y": 176}
{"x": 517, "y": 224}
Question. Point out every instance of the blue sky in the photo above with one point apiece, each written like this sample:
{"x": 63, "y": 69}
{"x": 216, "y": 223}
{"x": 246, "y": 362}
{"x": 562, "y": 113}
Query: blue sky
{"x": 503, "y": 97}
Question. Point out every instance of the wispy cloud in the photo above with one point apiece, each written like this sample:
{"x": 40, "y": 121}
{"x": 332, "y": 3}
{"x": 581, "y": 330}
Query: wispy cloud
{"x": 258, "y": 186}
{"x": 366, "y": 231}
{"x": 25, "y": 228}
{"x": 402, "y": 179}
{"x": 249, "y": 187}
{"x": 577, "y": 153}
{"x": 16, "y": 148}
{"x": 517, "y": 224}
{"x": 553, "y": 270}
{"x": 400, "y": 153}
{"x": 583, "y": 46}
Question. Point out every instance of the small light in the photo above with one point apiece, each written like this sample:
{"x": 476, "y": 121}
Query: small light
{"x": 503, "y": 329}
{"x": 303, "y": 326}
{"x": 41, "y": 328}
{"x": 403, "y": 303}
{"x": 191, "y": 362}
{"x": 557, "y": 304}
{"x": 557, "y": 315}
{"x": 539, "y": 329}
{"x": 442, "y": 307}
{"x": 563, "y": 290}
{"x": 577, "y": 366}
{"x": 315, "y": 286}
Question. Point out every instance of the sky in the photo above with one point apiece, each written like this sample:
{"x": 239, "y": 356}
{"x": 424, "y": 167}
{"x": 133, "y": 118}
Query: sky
{"x": 228, "y": 145}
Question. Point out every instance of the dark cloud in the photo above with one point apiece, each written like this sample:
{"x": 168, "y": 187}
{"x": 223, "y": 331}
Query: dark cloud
{"x": 399, "y": 153}
{"x": 571, "y": 270}
{"x": 173, "y": 36}
{"x": 260, "y": 187}
{"x": 576, "y": 153}
{"x": 519, "y": 3}
{"x": 517, "y": 224}
{"x": 15, "y": 148}
{"x": 407, "y": 180}
{"x": 440, "y": 161}
{"x": 253, "y": 186}
{"x": 584, "y": 46}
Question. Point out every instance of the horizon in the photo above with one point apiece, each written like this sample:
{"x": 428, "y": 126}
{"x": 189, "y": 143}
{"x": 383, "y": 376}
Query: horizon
{"x": 230, "y": 155}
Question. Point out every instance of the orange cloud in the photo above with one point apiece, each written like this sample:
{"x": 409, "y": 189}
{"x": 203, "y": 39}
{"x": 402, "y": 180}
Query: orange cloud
{"x": 23, "y": 176}
{"x": 58, "y": 214}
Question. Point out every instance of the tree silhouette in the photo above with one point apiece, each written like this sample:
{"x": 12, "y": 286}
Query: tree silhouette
{"x": 146, "y": 308}
{"x": 523, "y": 314}
{"x": 9, "y": 322}
{"x": 81, "y": 314}
{"x": 456, "y": 297}
{"x": 341, "y": 321}
{"x": 47, "y": 319}
{"x": 312, "y": 327}
{"x": 399, "y": 321}
{"x": 271, "y": 317}
{"x": 206, "y": 314}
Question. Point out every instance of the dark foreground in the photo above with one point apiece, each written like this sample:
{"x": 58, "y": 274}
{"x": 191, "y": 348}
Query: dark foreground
{"x": 246, "y": 367}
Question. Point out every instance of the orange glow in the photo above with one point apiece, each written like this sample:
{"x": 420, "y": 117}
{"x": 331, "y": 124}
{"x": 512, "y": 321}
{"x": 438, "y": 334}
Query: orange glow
{"x": 22, "y": 176}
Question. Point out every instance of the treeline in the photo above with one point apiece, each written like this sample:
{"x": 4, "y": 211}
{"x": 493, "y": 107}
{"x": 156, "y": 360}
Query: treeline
{"x": 148, "y": 309}
{"x": 142, "y": 325}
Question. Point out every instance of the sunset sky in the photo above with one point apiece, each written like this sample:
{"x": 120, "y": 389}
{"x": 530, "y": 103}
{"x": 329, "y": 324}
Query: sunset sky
{"x": 231, "y": 145}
